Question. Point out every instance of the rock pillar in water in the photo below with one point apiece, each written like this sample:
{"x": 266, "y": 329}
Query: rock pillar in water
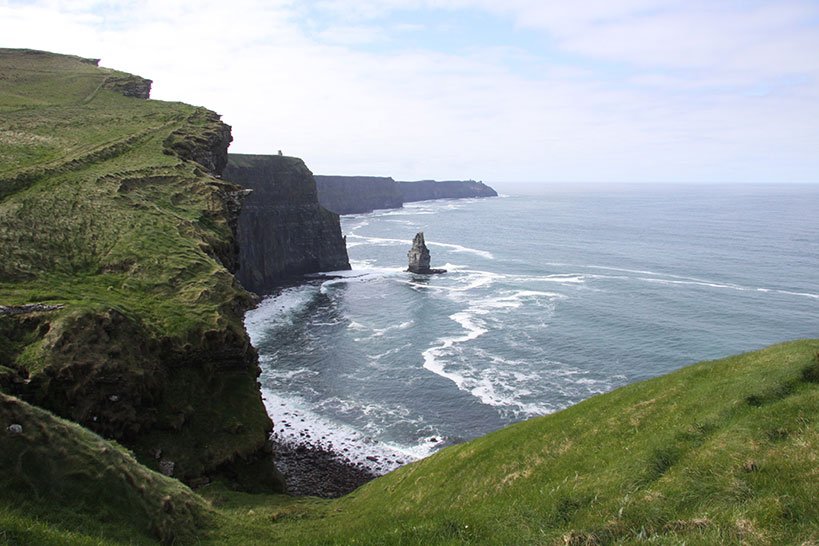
{"x": 419, "y": 257}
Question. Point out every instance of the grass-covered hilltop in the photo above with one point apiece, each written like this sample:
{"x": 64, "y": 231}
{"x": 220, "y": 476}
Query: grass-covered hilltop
{"x": 127, "y": 377}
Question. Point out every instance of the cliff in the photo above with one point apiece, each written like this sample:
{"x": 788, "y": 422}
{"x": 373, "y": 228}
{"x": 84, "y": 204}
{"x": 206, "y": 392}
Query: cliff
{"x": 283, "y": 231}
{"x": 112, "y": 216}
{"x": 423, "y": 190}
{"x": 360, "y": 194}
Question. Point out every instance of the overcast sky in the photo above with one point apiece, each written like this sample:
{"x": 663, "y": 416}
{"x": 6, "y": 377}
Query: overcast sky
{"x": 498, "y": 90}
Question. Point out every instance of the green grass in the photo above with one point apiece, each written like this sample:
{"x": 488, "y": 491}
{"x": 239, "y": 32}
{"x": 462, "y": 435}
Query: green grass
{"x": 61, "y": 483}
{"x": 722, "y": 452}
{"x": 691, "y": 457}
{"x": 100, "y": 215}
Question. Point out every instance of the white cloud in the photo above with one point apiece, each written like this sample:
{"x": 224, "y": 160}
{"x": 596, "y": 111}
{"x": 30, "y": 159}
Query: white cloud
{"x": 699, "y": 94}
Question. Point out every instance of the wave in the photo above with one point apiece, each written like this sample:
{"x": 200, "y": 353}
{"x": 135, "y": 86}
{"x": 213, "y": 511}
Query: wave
{"x": 730, "y": 286}
{"x": 803, "y": 294}
{"x": 382, "y": 332}
{"x": 459, "y": 248}
{"x": 491, "y": 385}
{"x": 298, "y": 422}
{"x": 673, "y": 279}
{"x": 280, "y": 308}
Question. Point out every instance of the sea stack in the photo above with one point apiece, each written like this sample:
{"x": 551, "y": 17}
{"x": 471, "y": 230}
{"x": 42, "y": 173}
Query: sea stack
{"x": 419, "y": 257}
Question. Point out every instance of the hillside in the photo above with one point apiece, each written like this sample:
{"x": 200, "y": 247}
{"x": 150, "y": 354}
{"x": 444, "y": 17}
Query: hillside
{"x": 119, "y": 308}
{"x": 722, "y": 452}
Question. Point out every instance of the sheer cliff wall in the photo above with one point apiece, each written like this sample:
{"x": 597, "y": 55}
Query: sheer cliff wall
{"x": 423, "y": 190}
{"x": 361, "y": 194}
{"x": 283, "y": 231}
{"x": 358, "y": 194}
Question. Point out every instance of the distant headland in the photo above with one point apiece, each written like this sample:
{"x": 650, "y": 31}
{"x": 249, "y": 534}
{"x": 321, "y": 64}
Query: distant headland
{"x": 360, "y": 194}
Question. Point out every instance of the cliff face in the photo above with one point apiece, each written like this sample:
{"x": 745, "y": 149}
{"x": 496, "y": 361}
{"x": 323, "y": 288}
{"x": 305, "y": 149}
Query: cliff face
{"x": 130, "y": 243}
{"x": 423, "y": 190}
{"x": 283, "y": 231}
{"x": 358, "y": 194}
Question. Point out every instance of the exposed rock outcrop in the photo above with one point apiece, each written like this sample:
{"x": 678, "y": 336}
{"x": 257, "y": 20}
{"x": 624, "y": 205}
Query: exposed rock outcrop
{"x": 419, "y": 258}
{"x": 358, "y": 194}
{"x": 424, "y": 190}
{"x": 283, "y": 231}
{"x": 204, "y": 139}
{"x": 129, "y": 85}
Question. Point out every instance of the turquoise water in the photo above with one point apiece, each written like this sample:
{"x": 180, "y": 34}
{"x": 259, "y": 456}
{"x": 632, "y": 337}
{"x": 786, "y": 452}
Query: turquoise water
{"x": 549, "y": 299}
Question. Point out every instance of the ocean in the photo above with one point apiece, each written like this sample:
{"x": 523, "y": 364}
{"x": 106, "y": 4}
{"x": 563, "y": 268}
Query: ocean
{"x": 553, "y": 294}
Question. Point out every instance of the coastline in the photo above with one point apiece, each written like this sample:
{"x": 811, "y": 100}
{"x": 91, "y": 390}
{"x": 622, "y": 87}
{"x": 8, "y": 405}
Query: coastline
{"x": 317, "y": 470}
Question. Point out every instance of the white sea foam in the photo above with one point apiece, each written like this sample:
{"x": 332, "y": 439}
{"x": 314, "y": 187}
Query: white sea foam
{"x": 460, "y": 248}
{"x": 378, "y": 332}
{"x": 802, "y": 294}
{"x": 694, "y": 283}
{"x": 557, "y": 278}
{"x": 382, "y": 332}
{"x": 297, "y": 422}
{"x": 730, "y": 286}
{"x": 379, "y": 241}
{"x": 672, "y": 279}
{"x": 280, "y": 308}
{"x": 394, "y": 350}
{"x": 363, "y": 274}
{"x": 498, "y": 383}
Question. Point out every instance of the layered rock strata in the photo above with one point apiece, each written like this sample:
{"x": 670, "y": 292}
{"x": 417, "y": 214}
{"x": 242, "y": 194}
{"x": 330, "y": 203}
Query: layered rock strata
{"x": 283, "y": 231}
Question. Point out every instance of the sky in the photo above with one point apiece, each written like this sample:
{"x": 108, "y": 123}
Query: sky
{"x": 706, "y": 91}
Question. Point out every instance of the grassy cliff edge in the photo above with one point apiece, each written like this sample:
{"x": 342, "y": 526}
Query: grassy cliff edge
{"x": 117, "y": 245}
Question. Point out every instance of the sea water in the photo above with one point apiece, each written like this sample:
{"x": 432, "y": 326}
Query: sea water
{"x": 553, "y": 294}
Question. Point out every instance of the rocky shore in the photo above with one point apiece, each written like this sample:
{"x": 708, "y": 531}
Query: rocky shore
{"x": 316, "y": 470}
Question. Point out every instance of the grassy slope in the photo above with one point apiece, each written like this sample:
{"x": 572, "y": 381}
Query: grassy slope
{"x": 719, "y": 452}
{"x": 56, "y": 471}
{"x": 98, "y": 215}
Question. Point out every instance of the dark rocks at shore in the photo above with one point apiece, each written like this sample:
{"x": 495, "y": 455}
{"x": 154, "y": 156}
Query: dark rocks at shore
{"x": 317, "y": 470}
